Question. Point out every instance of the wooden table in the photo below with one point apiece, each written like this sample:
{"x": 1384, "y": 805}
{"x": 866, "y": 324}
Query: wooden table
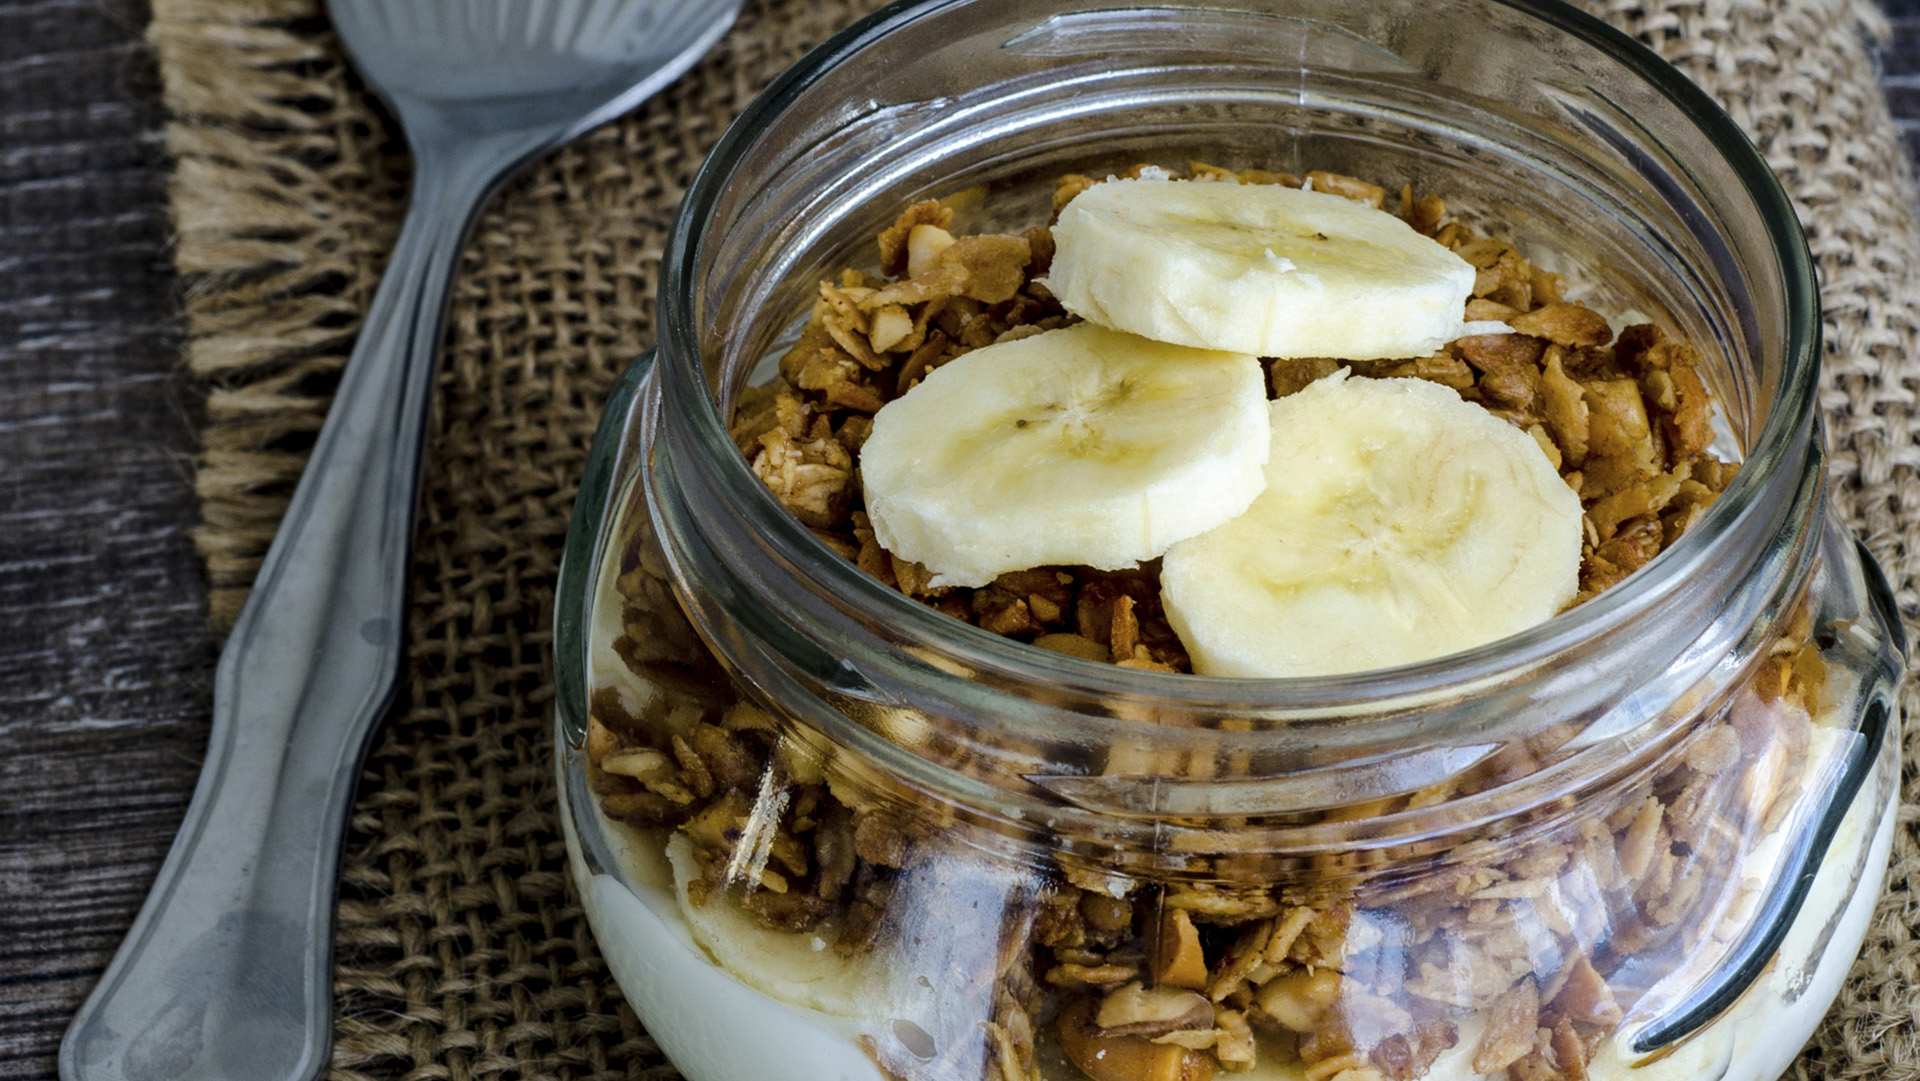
{"x": 106, "y": 660}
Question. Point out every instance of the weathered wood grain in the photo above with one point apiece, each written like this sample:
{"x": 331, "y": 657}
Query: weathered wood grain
{"x": 1901, "y": 59}
{"x": 105, "y": 656}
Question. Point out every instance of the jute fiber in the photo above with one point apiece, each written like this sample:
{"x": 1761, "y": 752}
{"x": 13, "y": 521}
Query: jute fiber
{"x": 462, "y": 949}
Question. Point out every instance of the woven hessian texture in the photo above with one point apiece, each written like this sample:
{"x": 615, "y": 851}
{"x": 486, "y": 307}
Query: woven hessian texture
{"x": 462, "y": 949}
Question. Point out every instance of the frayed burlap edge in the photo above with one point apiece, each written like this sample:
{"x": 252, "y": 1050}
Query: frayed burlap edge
{"x": 462, "y": 951}
{"x": 278, "y": 277}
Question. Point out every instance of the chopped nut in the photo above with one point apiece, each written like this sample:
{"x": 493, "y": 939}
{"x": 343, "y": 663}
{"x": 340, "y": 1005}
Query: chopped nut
{"x": 913, "y": 579}
{"x": 1299, "y": 1000}
{"x": 1125, "y": 632}
{"x": 1067, "y": 187}
{"x": 1239, "y": 962}
{"x": 1040, "y": 241}
{"x": 854, "y": 396}
{"x": 1501, "y": 352}
{"x": 1446, "y": 370}
{"x": 893, "y": 241}
{"x": 1234, "y": 1045}
{"x": 1585, "y": 997}
{"x": 1220, "y": 903}
{"x": 1656, "y": 385}
{"x": 1641, "y": 842}
{"x": 1008, "y": 1056}
{"x": 824, "y": 368}
{"x": 809, "y": 477}
{"x": 1620, "y": 448}
{"x": 644, "y": 809}
{"x": 1511, "y": 388}
{"x": 1564, "y": 409}
{"x": 995, "y": 266}
{"x": 1564, "y": 324}
{"x": 1570, "y": 1053}
{"x": 852, "y": 433}
{"x": 1106, "y": 916}
{"x": 925, "y": 242}
{"x": 1143, "y": 660}
{"x": 1424, "y": 215}
{"x": 1134, "y": 1010}
{"x": 1180, "y": 962}
{"x": 892, "y": 329}
{"x": 879, "y": 840}
{"x": 1286, "y": 931}
{"x": 1547, "y": 446}
{"x": 1073, "y": 973}
{"x": 1352, "y": 1065}
{"x": 915, "y": 367}
{"x": 1639, "y": 500}
{"x": 1484, "y": 254}
{"x": 1507, "y": 281}
{"x": 1717, "y": 752}
{"x": 1073, "y": 645}
{"x": 1200, "y": 170}
{"x": 754, "y": 411}
{"x": 1548, "y": 287}
{"x": 1404, "y": 1057}
{"x": 1194, "y": 1039}
{"x": 1125, "y": 1058}
{"x": 1480, "y": 310}
{"x": 944, "y": 280}
{"x": 1690, "y": 429}
{"x": 1510, "y": 1028}
{"x": 1292, "y": 376}
{"x": 600, "y": 740}
{"x": 1348, "y": 187}
{"x": 1005, "y": 615}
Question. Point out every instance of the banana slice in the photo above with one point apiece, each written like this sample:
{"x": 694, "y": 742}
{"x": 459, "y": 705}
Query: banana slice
{"x": 1081, "y": 445}
{"x": 801, "y": 969}
{"x": 1256, "y": 268}
{"x": 1399, "y": 523}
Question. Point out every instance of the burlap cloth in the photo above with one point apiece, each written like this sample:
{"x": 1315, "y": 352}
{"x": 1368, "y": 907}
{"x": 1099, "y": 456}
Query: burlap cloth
{"x": 462, "y": 949}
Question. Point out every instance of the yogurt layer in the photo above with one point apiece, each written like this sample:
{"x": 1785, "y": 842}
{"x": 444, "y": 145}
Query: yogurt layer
{"x": 716, "y": 1027}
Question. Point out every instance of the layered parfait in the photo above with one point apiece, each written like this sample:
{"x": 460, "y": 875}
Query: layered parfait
{"x": 1238, "y": 424}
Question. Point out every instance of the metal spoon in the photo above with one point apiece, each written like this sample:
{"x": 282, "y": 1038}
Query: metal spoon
{"x": 227, "y": 972}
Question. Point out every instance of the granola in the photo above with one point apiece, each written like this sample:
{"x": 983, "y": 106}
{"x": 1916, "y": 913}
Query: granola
{"x": 1626, "y": 422}
{"x": 1516, "y": 958}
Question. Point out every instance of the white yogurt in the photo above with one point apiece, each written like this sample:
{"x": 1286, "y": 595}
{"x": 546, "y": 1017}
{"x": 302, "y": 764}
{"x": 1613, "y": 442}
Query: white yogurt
{"x": 716, "y": 1028}
{"x": 712, "y": 1026}
{"x": 1764, "y": 1032}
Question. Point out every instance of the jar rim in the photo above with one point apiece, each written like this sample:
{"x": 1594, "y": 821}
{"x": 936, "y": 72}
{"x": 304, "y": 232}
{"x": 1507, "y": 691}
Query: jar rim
{"x": 1779, "y": 443}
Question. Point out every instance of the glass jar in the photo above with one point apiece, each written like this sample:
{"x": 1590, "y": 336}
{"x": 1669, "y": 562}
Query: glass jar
{"x": 823, "y": 831}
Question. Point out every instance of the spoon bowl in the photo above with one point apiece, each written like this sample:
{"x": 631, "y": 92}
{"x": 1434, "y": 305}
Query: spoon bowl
{"x": 548, "y": 68}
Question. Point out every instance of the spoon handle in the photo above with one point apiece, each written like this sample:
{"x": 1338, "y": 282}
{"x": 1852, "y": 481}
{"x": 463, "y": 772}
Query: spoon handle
{"x": 227, "y": 972}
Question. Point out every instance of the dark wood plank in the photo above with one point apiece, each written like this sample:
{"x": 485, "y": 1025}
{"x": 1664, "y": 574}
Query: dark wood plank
{"x": 105, "y": 656}
{"x": 1900, "y": 60}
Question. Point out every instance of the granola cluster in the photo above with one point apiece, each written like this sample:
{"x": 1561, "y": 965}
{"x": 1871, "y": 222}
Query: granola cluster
{"x": 1516, "y": 957}
{"x": 1514, "y": 953}
{"x": 1627, "y": 422}
{"x": 1522, "y": 957}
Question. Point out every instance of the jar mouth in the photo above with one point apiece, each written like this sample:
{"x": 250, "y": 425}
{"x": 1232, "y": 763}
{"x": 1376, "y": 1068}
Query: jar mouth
{"x": 1781, "y": 444}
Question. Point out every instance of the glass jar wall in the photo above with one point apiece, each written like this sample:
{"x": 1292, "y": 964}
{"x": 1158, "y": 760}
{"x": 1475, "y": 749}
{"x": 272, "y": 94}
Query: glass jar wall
{"x": 1643, "y": 836}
